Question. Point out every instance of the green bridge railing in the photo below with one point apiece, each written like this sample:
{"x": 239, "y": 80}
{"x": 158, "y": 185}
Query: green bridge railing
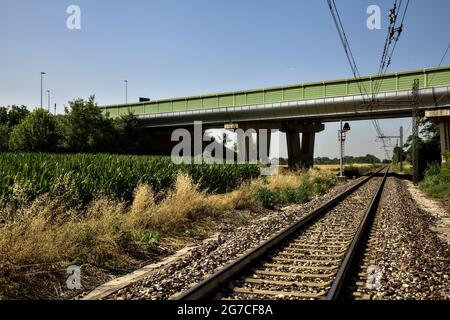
{"x": 433, "y": 77}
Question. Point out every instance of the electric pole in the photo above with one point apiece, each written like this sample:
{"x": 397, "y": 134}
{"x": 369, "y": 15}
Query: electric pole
{"x": 48, "y": 102}
{"x": 42, "y": 74}
{"x": 341, "y": 151}
{"x": 401, "y": 149}
{"x": 415, "y": 126}
{"x": 126, "y": 91}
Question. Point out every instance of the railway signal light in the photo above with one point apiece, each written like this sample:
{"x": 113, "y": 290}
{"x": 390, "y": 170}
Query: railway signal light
{"x": 342, "y": 137}
{"x": 346, "y": 127}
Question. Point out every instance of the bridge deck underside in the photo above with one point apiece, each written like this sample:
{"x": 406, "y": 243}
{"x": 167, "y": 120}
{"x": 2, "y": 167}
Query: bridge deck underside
{"x": 295, "y": 95}
{"x": 358, "y": 107}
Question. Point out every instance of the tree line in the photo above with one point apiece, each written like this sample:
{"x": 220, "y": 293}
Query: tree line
{"x": 369, "y": 158}
{"x": 429, "y": 146}
{"x": 82, "y": 128}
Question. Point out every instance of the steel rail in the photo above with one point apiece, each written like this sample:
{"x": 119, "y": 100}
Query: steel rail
{"x": 210, "y": 285}
{"x": 336, "y": 290}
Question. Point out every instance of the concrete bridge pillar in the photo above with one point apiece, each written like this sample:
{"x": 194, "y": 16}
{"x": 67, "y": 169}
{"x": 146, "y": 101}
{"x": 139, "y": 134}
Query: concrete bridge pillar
{"x": 301, "y": 156}
{"x": 293, "y": 148}
{"x": 442, "y": 117}
{"x": 307, "y": 151}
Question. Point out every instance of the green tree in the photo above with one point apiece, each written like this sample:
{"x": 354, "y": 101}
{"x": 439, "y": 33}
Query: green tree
{"x": 36, "y": 132}
{"x": 399, "y": 155}
{"x": 17, "y": 114}
{"x": 86, "y": 129}
{"x": 369, "y": 158}
{"x": 3, "y": 115}
{"x": 4, "y": 137}
{"x": 428, "y": 144}
{"x": 127, "y": 133}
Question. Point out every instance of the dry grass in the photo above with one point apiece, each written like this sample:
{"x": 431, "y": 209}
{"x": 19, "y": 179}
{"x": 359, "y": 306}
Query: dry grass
{"x": 101, "y": 235}
{"x": 106, "y": 234}
{"x": 181, "y": 205}
{"x": 35, "y": 239}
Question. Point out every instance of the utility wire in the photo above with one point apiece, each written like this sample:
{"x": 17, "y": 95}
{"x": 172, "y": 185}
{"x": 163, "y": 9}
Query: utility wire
{"x": 345, "y": 43}
{"x": 393, "y": 19}
{"x": 394, "y": 34}
{"x": 440, "y": 63}
{"x": 386, "y": 57}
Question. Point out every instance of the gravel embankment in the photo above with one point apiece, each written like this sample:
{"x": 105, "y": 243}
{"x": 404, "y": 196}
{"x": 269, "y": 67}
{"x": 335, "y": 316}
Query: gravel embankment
{"x": 413, "y": 260}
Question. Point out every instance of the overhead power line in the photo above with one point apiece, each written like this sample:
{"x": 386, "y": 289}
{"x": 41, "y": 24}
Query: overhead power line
{"x": 347, "y": 48}
{"x": 393, "y": 36}
{"x": 440, "y": 63}
{"x": 445, "y": 53}
{"x": 393, "y": 20}
{"x": 345, "y": 43}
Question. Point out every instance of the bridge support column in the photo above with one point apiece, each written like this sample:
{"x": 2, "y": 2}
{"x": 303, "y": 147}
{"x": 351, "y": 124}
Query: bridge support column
{"x": 293, "y": 148}
{"x": 301, "y": 156}
{"x": 307, "y": 152}
{"x": 442, "y": 117}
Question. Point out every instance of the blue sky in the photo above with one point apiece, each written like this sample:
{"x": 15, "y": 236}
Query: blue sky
{"x": 173, "y": 48}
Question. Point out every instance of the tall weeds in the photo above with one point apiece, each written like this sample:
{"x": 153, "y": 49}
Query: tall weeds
{"x": 110, "y": 234}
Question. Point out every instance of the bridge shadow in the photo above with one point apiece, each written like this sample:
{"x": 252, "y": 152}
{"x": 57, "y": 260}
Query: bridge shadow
{"x": 402, "y": 176}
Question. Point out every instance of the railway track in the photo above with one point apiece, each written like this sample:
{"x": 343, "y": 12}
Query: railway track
{"x": 311, "y": 259}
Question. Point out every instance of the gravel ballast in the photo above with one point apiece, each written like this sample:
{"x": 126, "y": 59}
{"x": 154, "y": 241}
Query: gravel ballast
{"x": 414, "y": 261}
{"x": 232, "y": 243}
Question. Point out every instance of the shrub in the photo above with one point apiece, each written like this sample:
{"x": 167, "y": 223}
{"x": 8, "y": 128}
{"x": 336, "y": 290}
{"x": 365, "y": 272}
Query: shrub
{"x": 288, "y": 195}
{"x": 148, "y": 237}
{"x": 304, "y": 193}
{"x": 37, "y": 132}
{"x": 437, "y": 180}
{"x": 265, "y": 196}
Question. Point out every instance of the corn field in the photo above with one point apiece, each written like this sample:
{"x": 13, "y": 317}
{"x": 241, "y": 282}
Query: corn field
{"x": 82, "y": 177}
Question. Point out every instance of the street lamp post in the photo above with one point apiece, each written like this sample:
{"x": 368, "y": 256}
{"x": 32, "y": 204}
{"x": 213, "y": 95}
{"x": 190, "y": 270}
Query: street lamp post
{"x": 126, "y": 91}
{"x": 42, "y": 74}
{"x": 48, "y": 103}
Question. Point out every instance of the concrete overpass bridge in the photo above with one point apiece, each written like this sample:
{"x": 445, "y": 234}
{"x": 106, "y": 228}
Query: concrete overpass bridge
{"x": 294, "y": 109}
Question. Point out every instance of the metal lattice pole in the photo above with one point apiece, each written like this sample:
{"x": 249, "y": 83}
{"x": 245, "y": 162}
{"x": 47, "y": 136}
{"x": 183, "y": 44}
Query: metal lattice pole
{"x": 415, "y": 126}
{"x": 401, "y": 149}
